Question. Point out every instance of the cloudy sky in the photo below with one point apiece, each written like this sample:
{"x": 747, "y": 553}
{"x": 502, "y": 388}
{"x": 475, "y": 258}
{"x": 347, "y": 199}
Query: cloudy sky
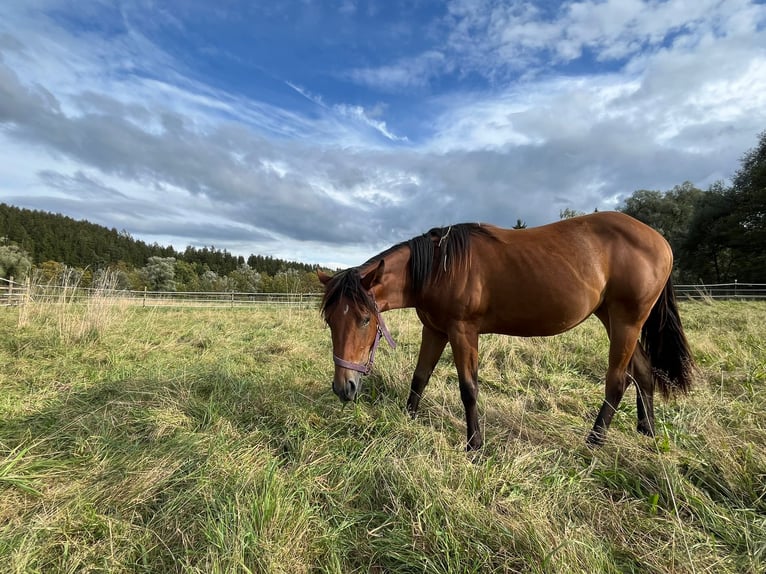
{"x": 325, "y": 131}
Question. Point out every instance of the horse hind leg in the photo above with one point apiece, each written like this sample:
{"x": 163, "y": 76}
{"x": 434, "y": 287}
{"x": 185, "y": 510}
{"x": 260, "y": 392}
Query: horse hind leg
{"x": 623, "y": 339}
{"x": 640, "y": 369}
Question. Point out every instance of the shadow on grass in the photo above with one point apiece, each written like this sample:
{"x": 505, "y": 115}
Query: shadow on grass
{"x": 138, "y": 464}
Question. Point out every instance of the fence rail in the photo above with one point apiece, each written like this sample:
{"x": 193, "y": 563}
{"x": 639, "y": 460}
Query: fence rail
{"x": 12, "y": 293}
{"x": 722, "y": 291}
{"x": 221, "y": 299}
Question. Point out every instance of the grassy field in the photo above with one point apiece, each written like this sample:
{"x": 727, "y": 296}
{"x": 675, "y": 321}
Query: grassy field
{"x": 189, "y": 440}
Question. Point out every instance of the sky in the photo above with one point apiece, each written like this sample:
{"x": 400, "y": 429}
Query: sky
{"x": 325, "y": 131}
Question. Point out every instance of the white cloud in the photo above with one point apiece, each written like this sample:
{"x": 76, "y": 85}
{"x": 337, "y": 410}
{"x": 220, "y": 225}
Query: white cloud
{"x": 496, "y": 38}
{"x": 403, "y": 74}
{"x": 360, "y": 114}
{"x": 110, "y": 127}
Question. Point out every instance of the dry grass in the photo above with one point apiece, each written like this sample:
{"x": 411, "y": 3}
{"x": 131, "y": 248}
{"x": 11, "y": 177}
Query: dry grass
{"x": 61, "y": 306}
{"x": 209, "y": 441}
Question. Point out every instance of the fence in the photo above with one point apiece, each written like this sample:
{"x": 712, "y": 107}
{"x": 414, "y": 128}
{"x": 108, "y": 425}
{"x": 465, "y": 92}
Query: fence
{"x": 221, "y": 299}
{"x": 722, "y": 291}
{"x": 12, "y": 293}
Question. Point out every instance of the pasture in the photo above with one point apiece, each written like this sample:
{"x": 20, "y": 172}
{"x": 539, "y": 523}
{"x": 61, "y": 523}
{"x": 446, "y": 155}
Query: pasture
{"x": 209, "y": 440}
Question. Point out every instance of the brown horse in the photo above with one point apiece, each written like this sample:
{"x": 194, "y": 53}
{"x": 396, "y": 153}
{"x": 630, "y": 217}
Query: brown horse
{"x": 470, "y": 279}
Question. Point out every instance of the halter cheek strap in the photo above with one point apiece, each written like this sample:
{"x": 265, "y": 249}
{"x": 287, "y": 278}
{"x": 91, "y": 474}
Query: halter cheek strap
{"x": 381, "y": 332}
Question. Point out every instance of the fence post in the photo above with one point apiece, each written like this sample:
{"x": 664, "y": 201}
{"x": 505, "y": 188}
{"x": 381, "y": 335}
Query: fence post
{"x": 232, "y": 300}
{"x": 10, "y": 291}
{"x": 735, "y": 288}
{"x": 144, "y": 302}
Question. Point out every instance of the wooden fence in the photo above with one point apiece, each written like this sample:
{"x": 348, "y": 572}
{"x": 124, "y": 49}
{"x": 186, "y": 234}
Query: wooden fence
{"x": 12, "y": 293}
{"x": 15, "y": 294}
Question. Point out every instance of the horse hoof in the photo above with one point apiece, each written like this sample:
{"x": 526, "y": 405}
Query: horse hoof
{"x": 595, "y": 439}
{"x": 474, "y": 446}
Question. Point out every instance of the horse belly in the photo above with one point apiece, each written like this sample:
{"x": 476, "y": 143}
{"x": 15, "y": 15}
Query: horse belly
{"x": 538, "y": 310}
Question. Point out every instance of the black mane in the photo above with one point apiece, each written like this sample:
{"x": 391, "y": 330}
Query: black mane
{"x": 438, "y": 254}
{"x": 442, "y": 252}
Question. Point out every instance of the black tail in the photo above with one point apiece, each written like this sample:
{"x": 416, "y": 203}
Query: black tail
{"x": 662, "y": 336}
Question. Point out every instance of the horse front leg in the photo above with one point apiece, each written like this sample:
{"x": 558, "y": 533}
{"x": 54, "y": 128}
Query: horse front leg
{"x": 432, "y": 345}
{"x": 465, "y": 348}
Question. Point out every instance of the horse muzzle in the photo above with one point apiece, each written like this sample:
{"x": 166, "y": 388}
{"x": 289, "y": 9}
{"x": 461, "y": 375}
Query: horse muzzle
{"x": 346, "y": 386}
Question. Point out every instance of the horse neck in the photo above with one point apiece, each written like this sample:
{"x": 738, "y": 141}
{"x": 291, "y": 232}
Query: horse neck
{"x": 394, "y": 290}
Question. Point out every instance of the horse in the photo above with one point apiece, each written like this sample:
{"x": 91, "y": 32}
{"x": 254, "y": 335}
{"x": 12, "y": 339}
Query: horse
{"x": 468, "y": 279}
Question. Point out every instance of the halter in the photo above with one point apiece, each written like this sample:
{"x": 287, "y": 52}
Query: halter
{"x": 381, "y": 332}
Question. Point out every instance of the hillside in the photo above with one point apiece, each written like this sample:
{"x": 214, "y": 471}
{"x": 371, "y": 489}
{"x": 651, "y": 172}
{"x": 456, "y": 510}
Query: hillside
{"x": 54, "y": 237}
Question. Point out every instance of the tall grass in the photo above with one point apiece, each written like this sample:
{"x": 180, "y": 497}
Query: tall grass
{"x": 210, "y": 441}
{"x": 76, "y": 314}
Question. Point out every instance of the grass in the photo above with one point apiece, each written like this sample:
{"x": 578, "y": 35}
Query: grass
{"x": 162, "y": 440}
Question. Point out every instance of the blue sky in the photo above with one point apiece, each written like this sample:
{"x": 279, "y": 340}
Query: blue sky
{"x": 326, "y": 131}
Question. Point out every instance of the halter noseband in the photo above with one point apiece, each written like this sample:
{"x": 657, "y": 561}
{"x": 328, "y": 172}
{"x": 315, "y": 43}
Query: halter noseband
{"x": 381, "y": 332}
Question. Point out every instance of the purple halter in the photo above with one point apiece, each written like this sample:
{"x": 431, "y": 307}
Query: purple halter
{"x": 382, "y": 332}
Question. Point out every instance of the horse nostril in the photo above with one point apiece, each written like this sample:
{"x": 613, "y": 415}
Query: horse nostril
{"x": 351, "y": 388}
{"x": 339, "y": 391}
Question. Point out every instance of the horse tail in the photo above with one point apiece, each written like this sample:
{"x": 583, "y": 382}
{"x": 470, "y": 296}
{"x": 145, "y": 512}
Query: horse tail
{"x": 663, "y": 338}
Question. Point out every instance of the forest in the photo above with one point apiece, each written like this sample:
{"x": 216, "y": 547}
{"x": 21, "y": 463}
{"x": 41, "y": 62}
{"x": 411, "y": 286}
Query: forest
{"x": 48, "y": 246}
{"x": 718, "y": 235}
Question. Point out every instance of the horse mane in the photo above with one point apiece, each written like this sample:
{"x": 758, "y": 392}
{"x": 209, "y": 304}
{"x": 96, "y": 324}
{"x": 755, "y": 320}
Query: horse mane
{"x": 437, "y": 255}
{"x": 442, "y": 253}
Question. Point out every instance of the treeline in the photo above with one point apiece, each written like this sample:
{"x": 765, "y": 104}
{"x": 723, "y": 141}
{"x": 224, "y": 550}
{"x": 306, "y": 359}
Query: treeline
{"x": 53, "y": 246}
{"x": 718, "y": 235}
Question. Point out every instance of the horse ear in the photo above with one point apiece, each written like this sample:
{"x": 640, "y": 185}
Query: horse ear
{"x": 373, "y": 276}
{"x": 323, "y": 277}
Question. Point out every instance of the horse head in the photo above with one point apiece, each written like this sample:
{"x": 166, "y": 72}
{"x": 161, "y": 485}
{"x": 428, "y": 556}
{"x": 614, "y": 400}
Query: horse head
{"x": 356, "y": 326}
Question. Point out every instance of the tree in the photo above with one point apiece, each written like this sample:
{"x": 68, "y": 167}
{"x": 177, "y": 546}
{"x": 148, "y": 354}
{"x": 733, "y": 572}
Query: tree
{"x": 287, "y": 282}
{"x": 50, "y": 272}
{"x": 244, "y": 279}
{"x": 669, "y": 212}
{"x": 14, "y": 262}
{"x": 160, "y": 273}
{"x": 211, "y": 281}
{"x": 748, "y": 214}
{"x": 569, "y": 213}
{"x": 187, "y": 276}
{"x": 520, "y": 224}
{"x": 727, "y": 235}
{"x": 311, "y": 283}
{"x": 112, "y": 277}
{"x": 646, "y": 206}
{"x": 706, "y": 250}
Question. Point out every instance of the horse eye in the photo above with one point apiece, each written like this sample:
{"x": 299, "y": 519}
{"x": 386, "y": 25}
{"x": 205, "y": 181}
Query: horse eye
{"x": 365, "y": 321}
